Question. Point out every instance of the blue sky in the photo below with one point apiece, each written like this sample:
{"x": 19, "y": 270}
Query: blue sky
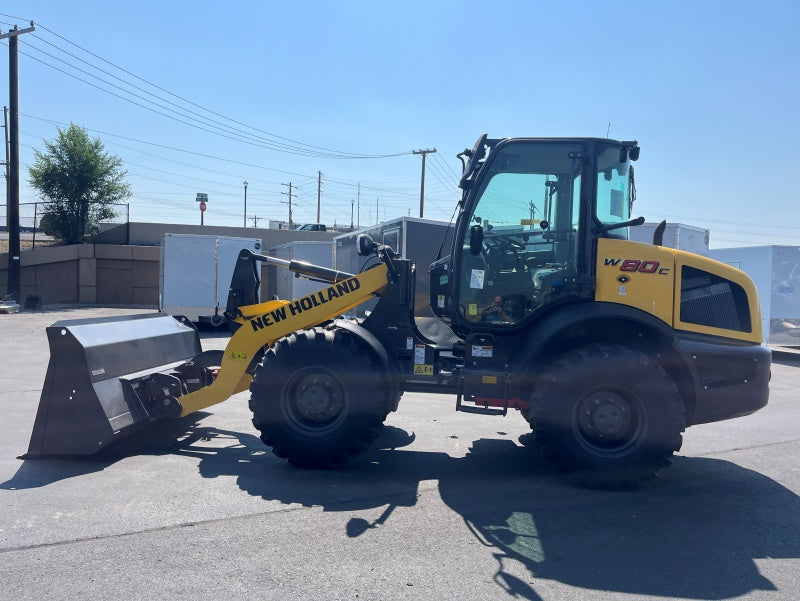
{"x": 710, "y": 90}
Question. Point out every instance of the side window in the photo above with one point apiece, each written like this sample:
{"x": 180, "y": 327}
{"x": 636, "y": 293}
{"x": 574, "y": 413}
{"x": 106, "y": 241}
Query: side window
{"x": 576, "y": 203}
{"x": 613, "y": 190}
{"x": 391, "y": 238}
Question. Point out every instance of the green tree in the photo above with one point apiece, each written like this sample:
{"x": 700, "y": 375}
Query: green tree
{"x": 79, "y": 184}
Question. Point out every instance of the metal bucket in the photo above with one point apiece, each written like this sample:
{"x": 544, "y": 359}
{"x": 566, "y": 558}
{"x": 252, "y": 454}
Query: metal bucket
{"x": 98, "y": 369}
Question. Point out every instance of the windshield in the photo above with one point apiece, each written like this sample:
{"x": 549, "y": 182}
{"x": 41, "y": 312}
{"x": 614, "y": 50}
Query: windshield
{"x": 613, "y": 190}
{"x": 528, "y": 210}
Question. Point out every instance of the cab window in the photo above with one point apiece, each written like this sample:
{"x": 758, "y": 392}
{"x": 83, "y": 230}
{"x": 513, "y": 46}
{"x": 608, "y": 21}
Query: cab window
{"x": 527, "y": 217}
{"x": 613, "y": 190}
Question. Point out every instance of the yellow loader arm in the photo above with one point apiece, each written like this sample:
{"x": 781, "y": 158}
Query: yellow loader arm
{"x": 265, "y": 323}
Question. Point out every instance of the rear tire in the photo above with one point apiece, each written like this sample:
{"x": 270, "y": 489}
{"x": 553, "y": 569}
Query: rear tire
{"x": 319, "y": 398}
{"x": 608, "y": 415}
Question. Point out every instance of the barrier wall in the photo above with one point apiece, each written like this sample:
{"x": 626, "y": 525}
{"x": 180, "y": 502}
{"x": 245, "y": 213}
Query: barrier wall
{"x": 88, "y": 273}
{"x": 123, "y": 267}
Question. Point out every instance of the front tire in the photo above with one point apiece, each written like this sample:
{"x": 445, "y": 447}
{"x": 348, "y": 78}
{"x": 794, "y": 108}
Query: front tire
{"x": 319, "y": 397}
{"x": 608, "y": 415}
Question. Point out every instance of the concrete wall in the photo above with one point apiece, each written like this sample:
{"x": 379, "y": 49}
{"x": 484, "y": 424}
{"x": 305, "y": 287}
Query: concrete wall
{"x": 88, "y": 273}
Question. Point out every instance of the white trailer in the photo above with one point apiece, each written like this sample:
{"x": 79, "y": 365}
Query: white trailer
{"x": 196, "y": 274}
{"x": 676, "y": 235}
{"x": 775, "y": 270}
{"x": 317, "y": 252}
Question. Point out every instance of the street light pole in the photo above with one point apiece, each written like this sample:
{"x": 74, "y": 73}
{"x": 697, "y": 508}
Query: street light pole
{"x": 245, "y": 203}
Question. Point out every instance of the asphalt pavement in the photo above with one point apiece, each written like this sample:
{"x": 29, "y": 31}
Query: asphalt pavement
{"x": 445, "y": 506}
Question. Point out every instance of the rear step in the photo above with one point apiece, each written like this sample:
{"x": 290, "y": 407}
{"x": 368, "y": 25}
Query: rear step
{"x": 109, "y": 376}
{"x": 477, "y": 385}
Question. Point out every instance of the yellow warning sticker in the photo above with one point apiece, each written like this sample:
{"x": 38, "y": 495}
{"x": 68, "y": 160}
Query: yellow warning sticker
{"x": 489, "y": 379}
{"x": 238, "y": 355}
{"x": 473, "y": 309}
{"x": 423, "y": 370}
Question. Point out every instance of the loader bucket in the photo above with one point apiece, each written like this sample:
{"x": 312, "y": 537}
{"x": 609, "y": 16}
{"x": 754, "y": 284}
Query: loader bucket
{"x": 89, "y": 397}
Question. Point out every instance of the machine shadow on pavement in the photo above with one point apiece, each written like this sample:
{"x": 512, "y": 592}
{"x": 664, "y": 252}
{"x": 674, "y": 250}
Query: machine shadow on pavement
{"x": 696, "y": 533}
{"x": 693, "y": 534}
{"x": 160, "y": 438}
{"x": 788, "y": 359}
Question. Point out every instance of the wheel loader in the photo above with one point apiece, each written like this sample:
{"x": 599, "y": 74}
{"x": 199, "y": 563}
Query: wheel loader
{"x": 608, "y": 348}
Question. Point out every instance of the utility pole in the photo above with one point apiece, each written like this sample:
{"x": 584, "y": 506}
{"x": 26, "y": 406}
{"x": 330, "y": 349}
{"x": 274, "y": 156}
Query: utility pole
{"x": 424, "y": 154}
{"x": 319, "y": 192}
{"x": 289, "y": 194}
{"x": 245, "y": 204}
{"x": 352, "y": 202}
{"x": 5, "y": 131}
{"x": 359, "y": 206}
{"x": 12, "y": 215}
{"x": 256, "y": 219}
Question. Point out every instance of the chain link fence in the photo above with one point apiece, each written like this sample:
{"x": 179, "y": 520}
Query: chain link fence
{"x": 30, "y": 215}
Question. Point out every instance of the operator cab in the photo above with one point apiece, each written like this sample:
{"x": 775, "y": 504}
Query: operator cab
{"x": 529, "y": 215}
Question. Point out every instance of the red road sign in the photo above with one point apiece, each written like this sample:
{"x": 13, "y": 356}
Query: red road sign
{"x": 202, "y": 207}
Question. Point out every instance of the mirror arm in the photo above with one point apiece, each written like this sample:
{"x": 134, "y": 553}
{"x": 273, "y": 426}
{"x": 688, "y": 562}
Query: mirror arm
{"x": 616, "y": 226}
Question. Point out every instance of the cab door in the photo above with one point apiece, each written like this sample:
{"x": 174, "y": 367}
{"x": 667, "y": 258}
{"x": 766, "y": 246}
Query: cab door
{"x": 518, "y": 249}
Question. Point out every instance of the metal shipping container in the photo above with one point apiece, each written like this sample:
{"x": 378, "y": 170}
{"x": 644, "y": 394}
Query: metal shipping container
{"x": 418, "y": 240}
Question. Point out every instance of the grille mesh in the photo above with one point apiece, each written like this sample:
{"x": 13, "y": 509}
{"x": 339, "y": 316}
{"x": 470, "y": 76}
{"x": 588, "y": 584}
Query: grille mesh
{"x": 709, "y": 300}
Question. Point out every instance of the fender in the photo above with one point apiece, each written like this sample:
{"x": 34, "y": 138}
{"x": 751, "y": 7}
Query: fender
{"x": 266, "y": 323}
{"x": 356, "y": 329}
{"x": 572, "y": 324}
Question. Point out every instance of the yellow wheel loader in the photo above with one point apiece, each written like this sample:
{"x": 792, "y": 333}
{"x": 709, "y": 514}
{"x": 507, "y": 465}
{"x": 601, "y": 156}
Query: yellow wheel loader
{"x": 609, "y": 348}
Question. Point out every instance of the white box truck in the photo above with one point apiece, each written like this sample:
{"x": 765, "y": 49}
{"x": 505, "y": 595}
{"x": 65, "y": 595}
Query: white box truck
{"x": 196, "y": 274}
{"x": 775, "y": 270}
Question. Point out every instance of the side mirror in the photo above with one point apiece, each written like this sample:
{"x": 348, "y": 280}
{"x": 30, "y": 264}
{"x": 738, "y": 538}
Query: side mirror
{"x": 365, "y": 245}
{"x": 629, "y": 152}
{"x": 475, "y": 240}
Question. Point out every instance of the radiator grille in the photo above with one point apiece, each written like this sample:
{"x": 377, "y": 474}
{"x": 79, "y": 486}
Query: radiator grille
{"x": 709, "y": 300}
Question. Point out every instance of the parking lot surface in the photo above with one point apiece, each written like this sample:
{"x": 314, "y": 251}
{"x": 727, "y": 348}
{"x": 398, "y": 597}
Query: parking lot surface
{"x": 445, "y": 506}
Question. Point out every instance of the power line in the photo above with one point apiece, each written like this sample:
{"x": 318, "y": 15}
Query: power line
{"x": 166, "y": 147}
{"x": 276, "y": 142}
{"x": 388, "y": 195}
{"x": 197, "y": 121}
{"x": 234, "y": 137}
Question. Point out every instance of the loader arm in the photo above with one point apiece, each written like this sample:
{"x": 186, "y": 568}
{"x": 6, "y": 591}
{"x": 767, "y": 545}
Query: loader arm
{"x": 265, "y": 323}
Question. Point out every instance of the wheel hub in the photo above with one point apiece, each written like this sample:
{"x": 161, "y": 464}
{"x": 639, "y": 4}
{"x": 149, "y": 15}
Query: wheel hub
{"x": 605, "y": 417}
{"x": 319, "y": 398}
